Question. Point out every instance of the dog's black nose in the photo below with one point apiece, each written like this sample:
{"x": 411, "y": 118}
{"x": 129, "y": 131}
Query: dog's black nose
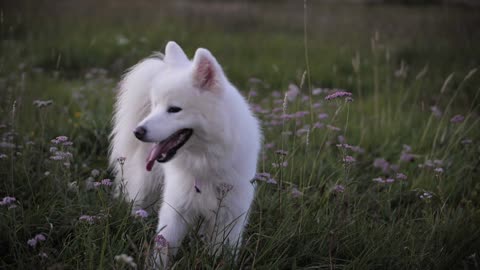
{"x": 140, "y": 132}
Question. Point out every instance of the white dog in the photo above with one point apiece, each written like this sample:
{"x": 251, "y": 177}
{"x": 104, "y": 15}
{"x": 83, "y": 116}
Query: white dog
{"x": 187, "y": 116}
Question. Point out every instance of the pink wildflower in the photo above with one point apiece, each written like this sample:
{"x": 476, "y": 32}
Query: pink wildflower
{"x": 338, "y": 94}
{"x": 457, "y": 119}
{"x": 140, "y": 213}
{"x": 339, "y": 188}
{"x": 160, "y": 241}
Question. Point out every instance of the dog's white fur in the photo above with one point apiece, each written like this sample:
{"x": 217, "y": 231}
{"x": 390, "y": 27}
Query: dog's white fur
{"x": 222, "y": 151}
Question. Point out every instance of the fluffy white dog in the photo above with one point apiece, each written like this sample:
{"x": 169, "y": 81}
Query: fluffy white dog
{"x": 189, "y": 118}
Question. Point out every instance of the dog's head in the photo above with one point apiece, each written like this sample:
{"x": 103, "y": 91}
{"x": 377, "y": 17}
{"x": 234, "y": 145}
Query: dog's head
{"x": 185, "y": 102}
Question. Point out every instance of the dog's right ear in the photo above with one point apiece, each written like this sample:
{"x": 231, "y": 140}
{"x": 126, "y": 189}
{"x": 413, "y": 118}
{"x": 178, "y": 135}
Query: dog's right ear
{"x": 174, "y": 55}
{"x": 207, "y": 73}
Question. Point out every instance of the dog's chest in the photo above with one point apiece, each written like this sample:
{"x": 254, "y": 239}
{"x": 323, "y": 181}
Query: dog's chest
{"x": 208, "y": 197}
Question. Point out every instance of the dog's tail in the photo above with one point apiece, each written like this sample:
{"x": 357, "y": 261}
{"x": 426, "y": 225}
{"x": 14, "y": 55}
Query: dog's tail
{"x": 132, "y": 106}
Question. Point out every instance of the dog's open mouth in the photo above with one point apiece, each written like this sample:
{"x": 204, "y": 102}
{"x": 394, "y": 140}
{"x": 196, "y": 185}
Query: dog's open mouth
{"x": 166, "y": 149}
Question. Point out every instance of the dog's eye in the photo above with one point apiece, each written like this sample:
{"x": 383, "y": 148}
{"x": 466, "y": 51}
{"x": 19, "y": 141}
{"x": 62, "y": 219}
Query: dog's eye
{"x": 173, "y": 109}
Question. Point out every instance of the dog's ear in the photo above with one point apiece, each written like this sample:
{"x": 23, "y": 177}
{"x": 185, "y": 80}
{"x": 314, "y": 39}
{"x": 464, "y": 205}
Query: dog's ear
{"x": 207, "y": 73}
{"x": 174, "y": 55}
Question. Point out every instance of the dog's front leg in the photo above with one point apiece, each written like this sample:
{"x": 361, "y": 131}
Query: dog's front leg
{"x": 171, "y": 230}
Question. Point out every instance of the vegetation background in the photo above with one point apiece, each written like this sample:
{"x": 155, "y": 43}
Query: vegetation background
{"x": 388, "y": 180}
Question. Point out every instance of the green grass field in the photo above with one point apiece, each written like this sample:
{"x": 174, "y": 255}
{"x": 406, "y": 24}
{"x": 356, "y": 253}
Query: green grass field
{"x": 338, "y": 197}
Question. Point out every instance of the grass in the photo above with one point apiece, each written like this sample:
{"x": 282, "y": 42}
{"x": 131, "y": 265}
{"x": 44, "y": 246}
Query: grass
{"x": 321, "y": 213}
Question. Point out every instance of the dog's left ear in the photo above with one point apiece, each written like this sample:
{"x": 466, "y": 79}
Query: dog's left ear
{"x": 207, "y": 73}
{"x": 174, "y": 54}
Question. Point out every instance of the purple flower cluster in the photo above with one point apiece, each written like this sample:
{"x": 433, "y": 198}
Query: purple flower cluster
{"x": 353, "y": 148}
{"x": 338, "y": 94}
{"x": 265, "y": 177}
{"x": 457, "y": 119}
{"x": 406, "y": 155}
{"x": 296, "y": 193}
{"x": 140, "y": 213}
{"x": 436, "y": 165}
{"x": 60, "y": 150}
{"x": 160, "y": 241}
{"x": 349, "y": 159}
{"x": 338, "y": 188}
{"x": 9, "y": 202}
{"x": 384, "y": 180}
{"x": 426, "y": 195}
{"x": 104, "y": 182}
{"x": 37, "y": 239}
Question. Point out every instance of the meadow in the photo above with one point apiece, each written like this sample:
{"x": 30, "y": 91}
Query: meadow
{"x": 370, "y": 115}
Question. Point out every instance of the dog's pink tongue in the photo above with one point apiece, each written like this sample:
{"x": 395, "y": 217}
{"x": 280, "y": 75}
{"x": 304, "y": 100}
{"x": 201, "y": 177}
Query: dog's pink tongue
{"x": 154, "y": 154}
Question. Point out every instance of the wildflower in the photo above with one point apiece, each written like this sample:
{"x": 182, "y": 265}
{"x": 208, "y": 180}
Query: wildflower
{"x": 160, "y": 241}
{"x": 378, "y": 179}
{"x": 43, "y": 255}
{"x": 3, "y": 156}
{"x": 281, "y": 152}
{"x": 302, "y": 131}
{"x": 271, "y": 181}
{"x": 381, "y": 164}
{"x": 88, "y": 219}
{"x": 42, "y": 103}
{"x": 140, "y": 213}
{"x": 338, "y": 94}
{"x": 322, "y": 116}
{"x": 292, "y": 92}
{"x": 300, "y": 114}
{"x": 349, "y": 99}
{"x": 338, "y": 188}
{"x": 269, "y": 145}
{"x": 252, "y": 93}
{"x": 407, "y": 148}
{"x": 349, "y": 159}
{"x": 95, "y": 173}
{"x": 265, "y": 177}
{"x": 32, "y": 243}
{"x": 7, "y": 201}
{"x": 318, "y": 125}
{"x": 333, "y": 128}
{"x": 37, "y": 239}
{"x": 56, "y": 158}
{"x": 457, "y": 119}
{"x": 436, "y": 111}
{"x": 341, "y": 139}
{"x": 280, "y": 164}
{"x": 438, "y": 170}
{"x": 401, "y": 176}
{"x": 316, "y": 105}
{"x": 426, "y": 196}
{"x": 124, "y": 258}
{"x": 106, "y": 182}
{"x": 407, "y": 157}
{"x": 53, "y": 149}
{"x": 73, "y": 186}
{"x": 389, "y": 180}
{"x": 62, "y": 138}
{"x": 296, "y": 193}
